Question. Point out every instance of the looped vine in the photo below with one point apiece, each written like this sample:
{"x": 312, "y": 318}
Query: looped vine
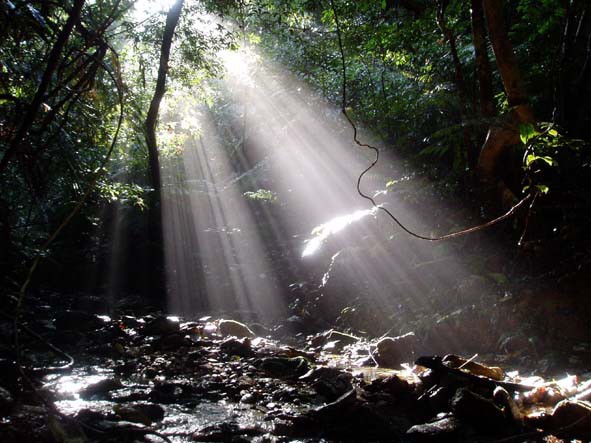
{"x": 530, "y": 196}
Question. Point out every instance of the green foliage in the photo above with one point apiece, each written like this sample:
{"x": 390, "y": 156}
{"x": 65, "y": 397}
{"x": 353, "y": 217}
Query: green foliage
{"x": 124, "y": 193}
{"x": 549, "y": 156}
{"x": 261, "y": 195}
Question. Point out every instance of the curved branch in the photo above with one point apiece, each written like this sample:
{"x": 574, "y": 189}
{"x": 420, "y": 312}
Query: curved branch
{"x": 459, "y": 233}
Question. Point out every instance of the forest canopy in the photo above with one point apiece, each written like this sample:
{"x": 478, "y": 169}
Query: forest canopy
{"x": 492, "y": 97}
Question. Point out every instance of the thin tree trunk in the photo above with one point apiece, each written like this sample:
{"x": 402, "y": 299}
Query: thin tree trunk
{"x": 460, "y": 82}
{"x": 172, "y": 19}
{"x": 52, "y": 63}
{"x": 483, "y": 68}
{"x": 156, "y": 281}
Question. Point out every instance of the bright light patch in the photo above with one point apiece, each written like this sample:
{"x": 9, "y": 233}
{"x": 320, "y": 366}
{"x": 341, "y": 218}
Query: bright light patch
{"x": 239, "y": 65}
{"x": 324, "y": 231}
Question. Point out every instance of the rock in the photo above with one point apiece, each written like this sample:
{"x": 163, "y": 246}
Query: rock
{"x": 503, "y": 399}
{"x": 161, "y": 326}
{"x": 334, "y": 410}
{"x": 172, "y": 342}
{"x": 392, "y": 385}
{"x": 443, "y": 430}
{"x": 248, "y": 399}
{"x": 6, "y": 402}
{"x": 285, "y": 367}
{"x": 393, "y": 351}
{"x": 572, "y": 419}
{"x": 339, "y": 339}
{"x": 101, "y": 388}
{"x": 331, "y": 383}
{"x": 226, "y": 432}
{"x": 144, "y": 413}
{"x": 241, "y": 348}
{"x": 79, "y": 321}
{"x": 477, "y": 410}
{"x": 234, "y": 328}
{"x": 493, "y": 372}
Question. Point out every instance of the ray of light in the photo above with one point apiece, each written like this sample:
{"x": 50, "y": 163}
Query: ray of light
{"x": 266, "y": 135}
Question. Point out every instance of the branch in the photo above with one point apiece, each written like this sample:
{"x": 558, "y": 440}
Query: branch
{"x": 462, "y": 232}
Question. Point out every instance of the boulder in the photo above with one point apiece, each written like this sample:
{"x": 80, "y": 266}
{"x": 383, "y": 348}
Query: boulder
{"x": 393, "y": 351}
{"x": 478, "y": 411}
{"x": 235, "y": 329}
{"x": 572, "y": 419}
{"x": 442, "y": 430}
{"x": 161, "y": 326}
{"x": 233, "y": 346}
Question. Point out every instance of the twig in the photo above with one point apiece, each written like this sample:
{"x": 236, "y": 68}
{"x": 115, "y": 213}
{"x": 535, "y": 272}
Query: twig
{"x": 459, "y": 233}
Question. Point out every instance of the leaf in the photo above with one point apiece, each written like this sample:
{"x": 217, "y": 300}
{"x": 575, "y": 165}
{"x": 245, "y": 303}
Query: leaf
{"x": 542, "y": 188}
{"x": 527, "y": 131}
{"x": 547, "y": 159}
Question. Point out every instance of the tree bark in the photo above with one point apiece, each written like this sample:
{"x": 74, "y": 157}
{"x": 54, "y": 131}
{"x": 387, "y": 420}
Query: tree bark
{"x": 52, "y": 64}
{"x": 505, "y": 55}
{"x": 172, "y": 19}
{"x": 500, "y": 138}
{"x": 483, "y": 68}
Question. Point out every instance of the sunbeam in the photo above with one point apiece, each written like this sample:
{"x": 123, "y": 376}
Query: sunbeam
{"x": 270, "y": 162}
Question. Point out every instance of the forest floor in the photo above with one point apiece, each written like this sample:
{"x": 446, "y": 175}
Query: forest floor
{"x": 138, "y": 375}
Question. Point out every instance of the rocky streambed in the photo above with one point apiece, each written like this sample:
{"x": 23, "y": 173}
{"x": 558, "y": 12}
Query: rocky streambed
{"x": 143, "y": 376}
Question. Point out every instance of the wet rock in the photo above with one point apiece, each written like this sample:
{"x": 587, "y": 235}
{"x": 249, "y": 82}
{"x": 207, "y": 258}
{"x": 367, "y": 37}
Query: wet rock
{"x": 493, "y": 372}
{"x": 477, "y": 410}
{"x": 392, "y": 385}
{"x": 79, "y": 321}
{"x": 26, "y": 424}
{"x": 338, "y": 339}
{"x": 235, "y": 329}
{"x": 572, "y": 419}
{"x": 443, "y": 430}
{"x": 6, "y": 402}
{"x": 172, "y": 342}
{"x": 248, "y": 399}
{"x": 503, "y": 399}
{"x": 226, "y": 432}
{"x": 144, "y": 413}
{"x": 101, "y": 388}
{"x": 438, "y": 398}
{"x": 161, "y": 326}
{"x": 331, "y": 383}
{"x": 241, "y": 348}
{"x": 333, "y": 410}
{"x": 393, "y": 351}
{"x": 285, "y": 367}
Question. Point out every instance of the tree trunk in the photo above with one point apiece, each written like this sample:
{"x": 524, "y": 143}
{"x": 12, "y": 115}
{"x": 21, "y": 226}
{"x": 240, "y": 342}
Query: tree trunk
{"x": 483, "y": 68}
{"x": 52, "y": 63}
{"x": 172, "y": 19}
{"x": 156, "y": 281}
{"x": 500, "y": 138}
{"x": 459, "y": 80}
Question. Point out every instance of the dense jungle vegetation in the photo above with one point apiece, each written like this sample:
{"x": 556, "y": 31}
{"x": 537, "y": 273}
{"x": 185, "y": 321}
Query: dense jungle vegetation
{"x": 178, "y": 154}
